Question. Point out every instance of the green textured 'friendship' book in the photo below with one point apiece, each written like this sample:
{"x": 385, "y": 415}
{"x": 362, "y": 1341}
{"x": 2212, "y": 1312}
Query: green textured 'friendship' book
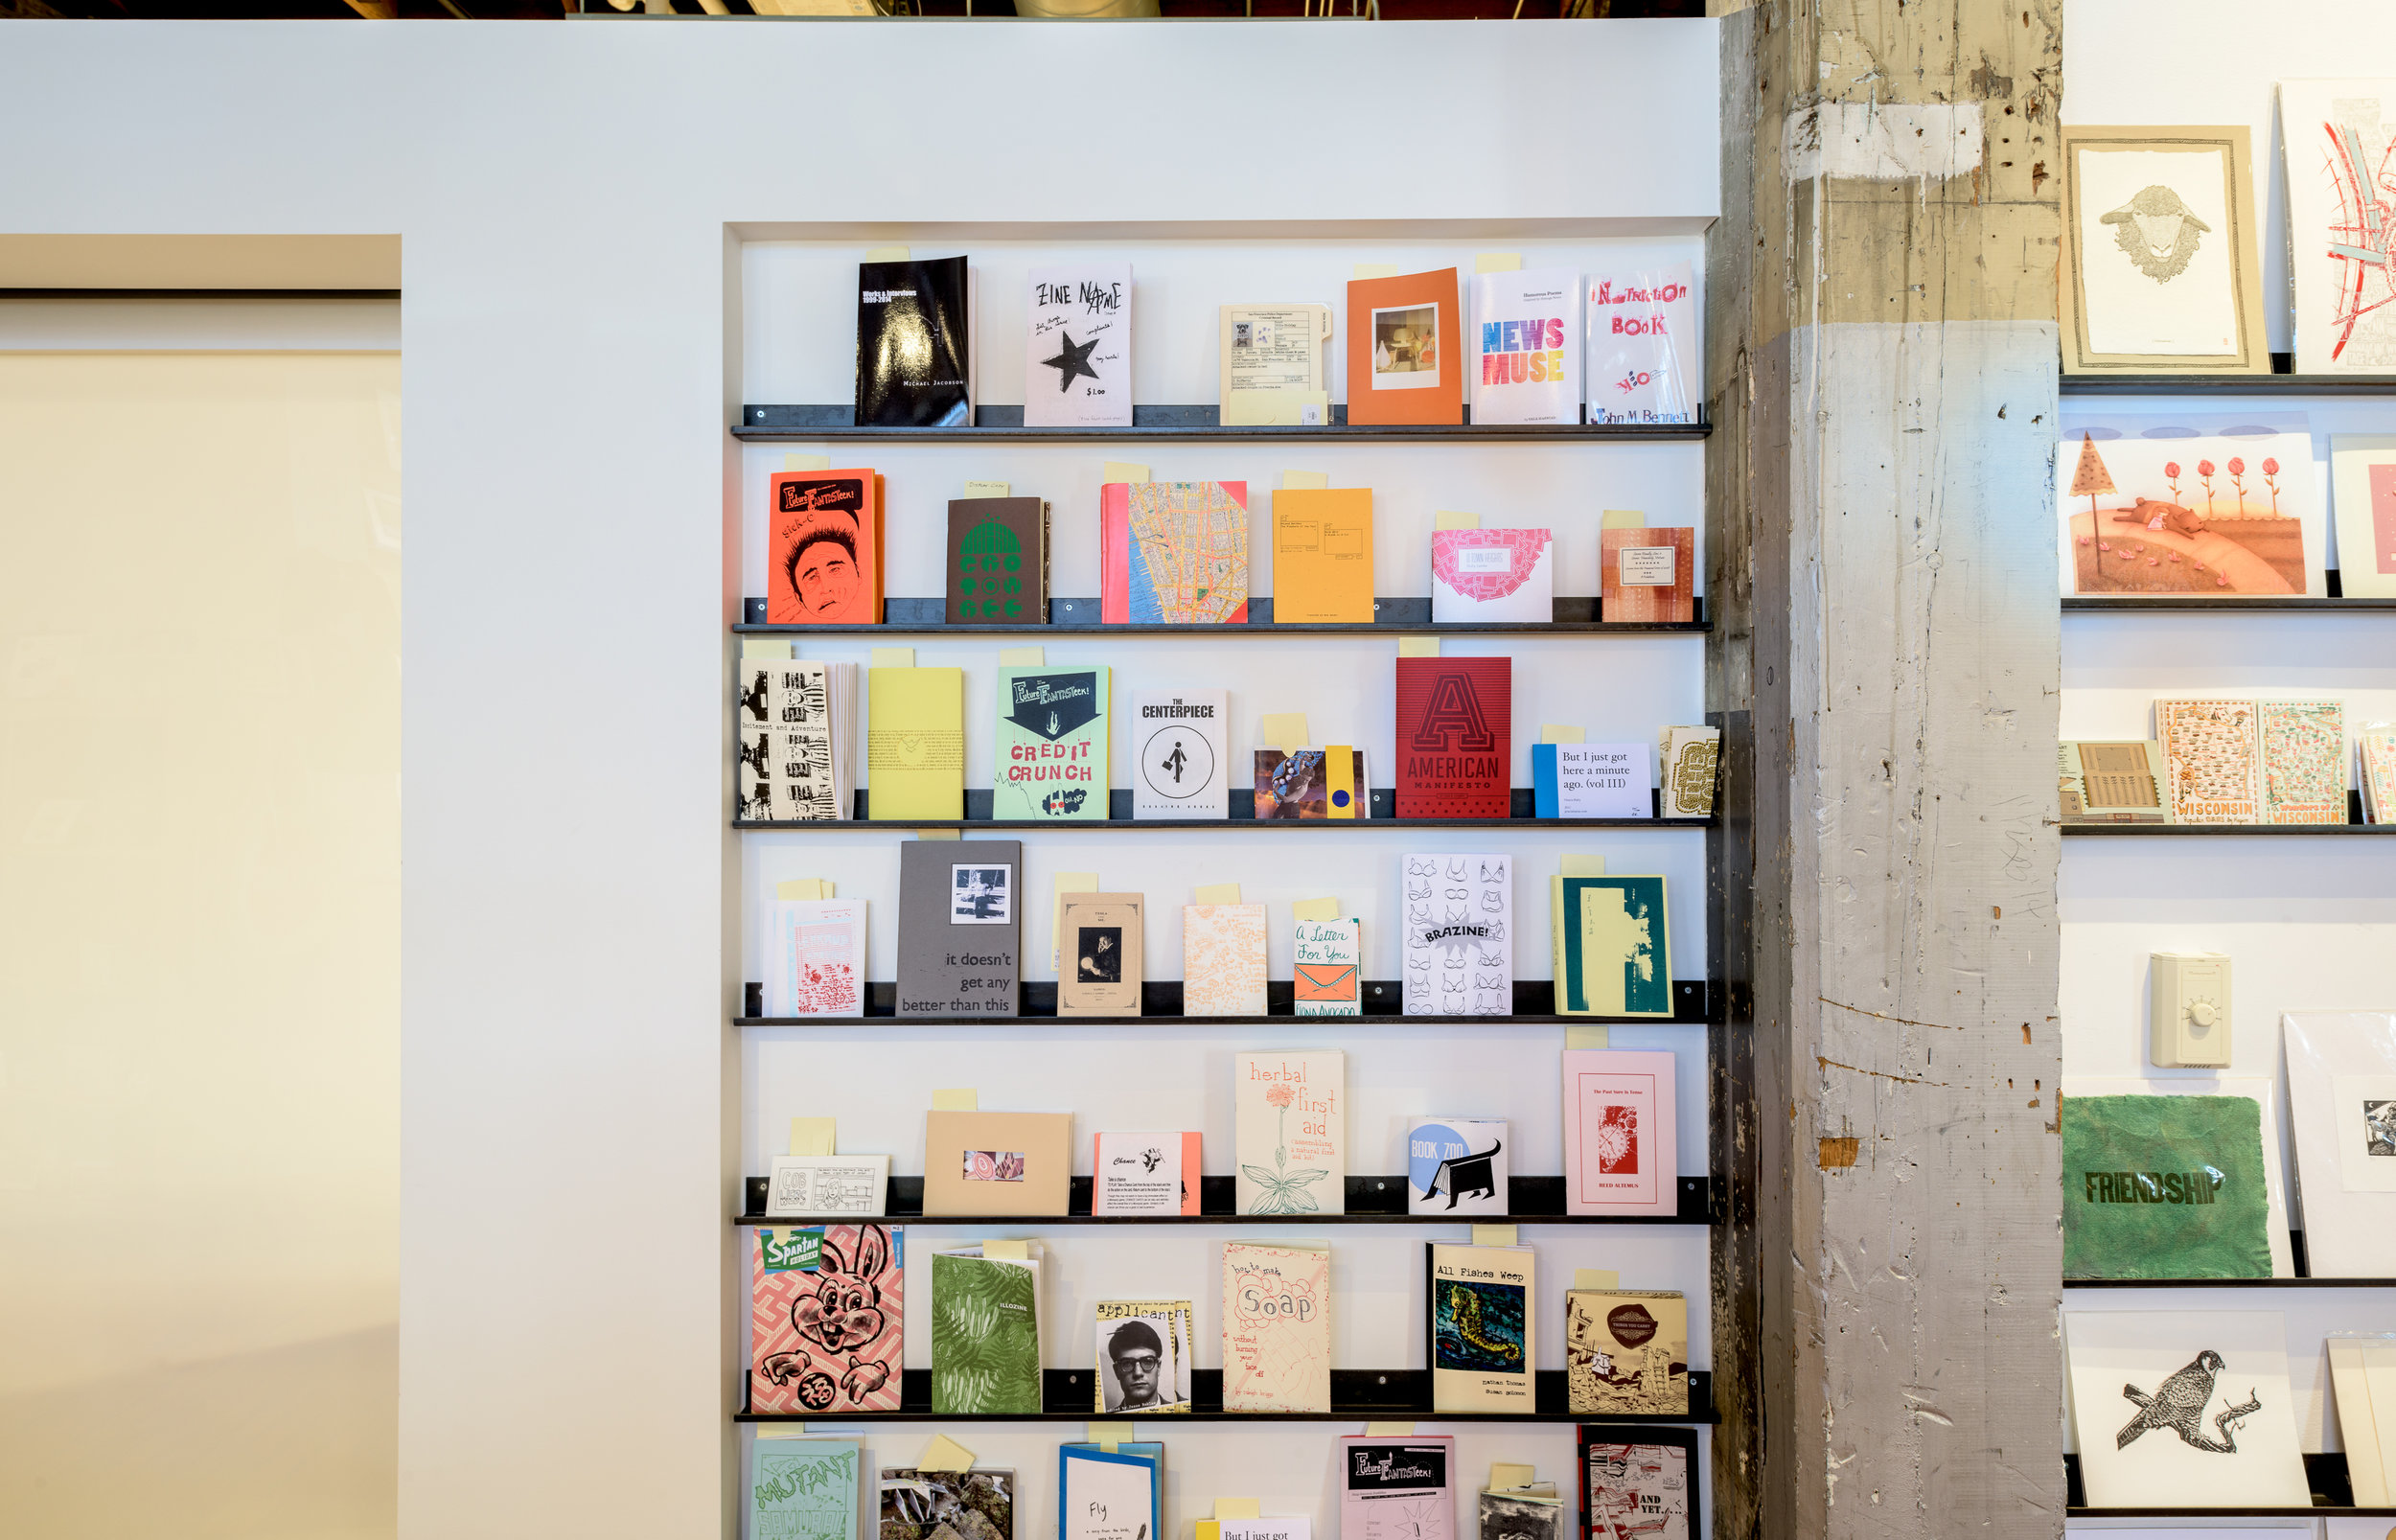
{"x": 985, "y": 1331}
{"x": 2164, "y": 1187}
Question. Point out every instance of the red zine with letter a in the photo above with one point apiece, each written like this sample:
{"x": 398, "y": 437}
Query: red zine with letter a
{"x": 1455, "y": 737}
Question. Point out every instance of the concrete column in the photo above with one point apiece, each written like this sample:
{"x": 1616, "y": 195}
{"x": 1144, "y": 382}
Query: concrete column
{"x": 1881, "y": 377}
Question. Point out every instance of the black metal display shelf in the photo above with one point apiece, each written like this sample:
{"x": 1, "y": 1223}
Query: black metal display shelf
{"x": 1357, "y": 1395}
{"x": 1241, "y": 811}
{"x": 2226, "y": 384}
{"x": 2333, "y": 1497}
{"x": 2113, "y": 604}
{"x": 1392, "y": 616}
{"x": 1370, "y": 1201}
{"x": 2229, "y": 1284}
{"x": 1695, "y": 1002}
{"x": 815, "y": 421}
{"x": 2171, "y": 830}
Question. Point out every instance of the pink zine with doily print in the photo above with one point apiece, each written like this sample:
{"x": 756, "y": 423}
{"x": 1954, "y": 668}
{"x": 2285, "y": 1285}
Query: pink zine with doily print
{"x": 1492, "y": 574}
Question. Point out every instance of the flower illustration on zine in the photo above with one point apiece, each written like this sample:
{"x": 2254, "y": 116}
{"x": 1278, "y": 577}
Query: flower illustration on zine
{"x": 2238, "y": 479}
{"x": 2171, "y": 477}
{"x": 1285, "y": 1191}
{"x": 2270, "y": 479}
{"x": 2205, "y": 473}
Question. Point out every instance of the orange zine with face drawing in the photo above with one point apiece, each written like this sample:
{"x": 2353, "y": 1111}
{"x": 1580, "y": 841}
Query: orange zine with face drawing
{"x": 823, "y": 549}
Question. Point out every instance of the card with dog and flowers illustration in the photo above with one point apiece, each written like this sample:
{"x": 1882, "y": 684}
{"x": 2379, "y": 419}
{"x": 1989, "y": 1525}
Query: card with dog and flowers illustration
{"x": 1292, "y": 1115}
{"x": 826, "y": 1311}
{"x": 2191, "y": 508}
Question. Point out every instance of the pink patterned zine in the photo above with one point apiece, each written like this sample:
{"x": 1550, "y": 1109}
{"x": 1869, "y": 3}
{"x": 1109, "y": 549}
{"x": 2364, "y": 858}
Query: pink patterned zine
{"x": 826, "y": 1309}
{"x": 1524, "y": 547}
{"x": 2304, "y": 762}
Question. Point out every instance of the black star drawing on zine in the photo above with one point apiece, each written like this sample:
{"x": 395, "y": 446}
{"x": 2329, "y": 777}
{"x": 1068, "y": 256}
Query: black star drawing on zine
{"x": 1071, "y": 361}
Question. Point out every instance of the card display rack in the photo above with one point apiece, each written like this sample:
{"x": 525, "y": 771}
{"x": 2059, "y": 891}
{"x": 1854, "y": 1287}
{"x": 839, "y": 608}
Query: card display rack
{"x": 817, "y": 421}
{"x": 1240, "y": 813}
{"x": 1695, "y": 1002}
{"x": 1367, "y": 1200}
{"x": 2333, "y": 1494}
{"x": 1357, "y": 1394}
{"x": 1393, "y": 615}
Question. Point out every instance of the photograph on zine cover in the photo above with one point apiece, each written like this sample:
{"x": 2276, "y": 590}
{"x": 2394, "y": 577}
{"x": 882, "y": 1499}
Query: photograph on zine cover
{"x": 1138, "y": 1363}
{"x": 981, "y": 895}
{"x": 994, "y": 1165}
{"x": 1406, "y": 347}
{"x": 1101, "y": 955}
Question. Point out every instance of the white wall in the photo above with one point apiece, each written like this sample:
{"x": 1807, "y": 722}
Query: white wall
{"x": 562, "y": 192}
{"x": 2308, "y": 923}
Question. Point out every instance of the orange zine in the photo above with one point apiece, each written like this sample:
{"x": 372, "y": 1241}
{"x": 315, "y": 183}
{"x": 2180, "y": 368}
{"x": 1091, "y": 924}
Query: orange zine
{"x": 1405, "y": 357}
{"x": 823, "y": 549}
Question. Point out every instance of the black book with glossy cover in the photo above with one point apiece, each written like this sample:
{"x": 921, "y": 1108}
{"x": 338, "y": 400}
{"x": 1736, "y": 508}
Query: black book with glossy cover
{"x": 913, "y": 342}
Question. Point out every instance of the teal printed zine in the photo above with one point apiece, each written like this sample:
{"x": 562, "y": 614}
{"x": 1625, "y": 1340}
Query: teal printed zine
{"x": 802, "y": 1489}
{"x": 1051, "y": 744}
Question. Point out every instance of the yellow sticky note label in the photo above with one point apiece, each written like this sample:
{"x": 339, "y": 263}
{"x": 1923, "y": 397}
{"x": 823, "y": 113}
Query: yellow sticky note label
{"x": 988, "y": 489}
{"x": 1389, "y": 1430}
{"x": 1278, "y": 408}
{"x": 1595, "y": 1278}
{"x": 893, "y": 657}
{"x": 1497, "y": 262}
{"x": 1586, "y": 1035}
{"x": 1417, "y": 647}
{"x": 1111, "y": 1433}
{"x": 807, "y": 889}
{"x": 1624, "y": 518}
{"x": 781, "y": 1429}
{"x": 1217, "y": 894}
{"x": 945, "y": 1453}
{"x": 1006, "y": 1251}
{"x": 1208, "y": 1530}
{"x": 1124, "y": 471}
{"x": 962, "y": 1099}
{"x": 804, "y": 463}
{"x": 764, "y": 647}
{"x": 1283, "y": 730}
{"x": 1234, "y": 1507}
{"x": 1574, "y": 863}
{"x": 1551, "y": 733}
{"x": 1502, "y": 1476}
{"x": 812, "y": 1135}
{"x": 890, "y": 254}
{"x": 1304, "y": 480}
{"x": 1022, "y": 657}
{"x": 940, "y": 834}
{"x": 1374, "y": 270}
{"x": 1493, "y": 1234}
{"x": 1446, "y": 518}
{"x": 1315, "y": 909}
{"x": 1066, "y": 883}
